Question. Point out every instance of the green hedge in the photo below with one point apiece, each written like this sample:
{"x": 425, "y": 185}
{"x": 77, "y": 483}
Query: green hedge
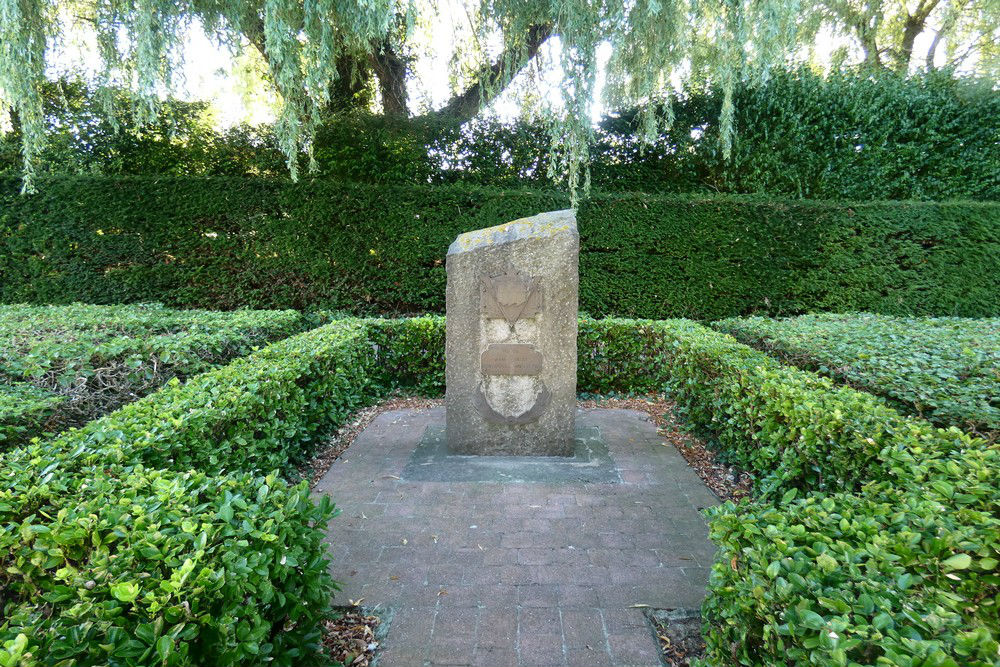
{"x": 885, "y": 577}
{"x": 370, "y": 249}
{"x": 113, "y": 551}
{"x": 89, "y": 360}
{"x": 143, "y": 566}
{"x": 943, "y": 369}
{"x": 849, "y": 134}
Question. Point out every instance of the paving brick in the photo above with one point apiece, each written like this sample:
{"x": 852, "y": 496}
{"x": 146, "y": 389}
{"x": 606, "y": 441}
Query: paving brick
{"x": 538, "y": 621}
{"x": 537, "y": 650}
{"x": 631, "y": 650}
{"x": 536, "y": 556}
{"x": 572, "y": 596}
{"x": 411, "y": 628}
{"x": 538, "y": 595}
{"x": 495, "y": 657}
{"x": 583, "y": 628}
{"x": 451, "y": 651}
{"x": 588, "y": 657}
{"x": 460, "y": 596}
{"x": 518, "y": 574}
{"x": 497, "y": 627}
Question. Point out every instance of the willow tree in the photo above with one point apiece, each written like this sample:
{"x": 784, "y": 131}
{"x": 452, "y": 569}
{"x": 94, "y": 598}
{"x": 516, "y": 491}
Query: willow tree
{"x": 316, "y": 50}
{"x": 887, "y": 32}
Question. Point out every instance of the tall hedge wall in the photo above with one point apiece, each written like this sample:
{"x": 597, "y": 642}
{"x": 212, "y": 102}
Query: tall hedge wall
{"x": 223, "y": 243}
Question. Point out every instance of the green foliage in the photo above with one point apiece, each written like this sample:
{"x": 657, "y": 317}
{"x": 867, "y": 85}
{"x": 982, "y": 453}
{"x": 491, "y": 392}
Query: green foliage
{"x": 258, "y": 413}
{"x": 944, "y": 369}
{"x": 886, "y": 578}
{"x": 711, "y": 258}
{"x": 799, "y": 135}
{"x": 410, "y": 353}
{"x": 860, "y": 136}
{"x": 380, "y": 249}
{"x": 227, "y": 564}
{"x": 83, "y": 140}
{"x": 93, "y": 359}
{"x": 848, "y": 135}
{"x": 24, "y": 411}
{"x": 791, "y": 428}
{"x": 127, "y": 565}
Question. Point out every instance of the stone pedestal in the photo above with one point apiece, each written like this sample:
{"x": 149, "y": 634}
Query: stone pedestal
{"x": 511, "y": 338}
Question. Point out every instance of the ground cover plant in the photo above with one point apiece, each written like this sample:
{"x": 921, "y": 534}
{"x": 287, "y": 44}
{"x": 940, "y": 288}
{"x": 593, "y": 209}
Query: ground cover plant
{"x": 65, "y": 365}
{"x": 873, "y": 537}
{"x": 944, "y": 369}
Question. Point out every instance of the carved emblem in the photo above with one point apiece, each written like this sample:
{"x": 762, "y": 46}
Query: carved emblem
{"x": 541, "y": 402}
{"x": 511, "y": 296}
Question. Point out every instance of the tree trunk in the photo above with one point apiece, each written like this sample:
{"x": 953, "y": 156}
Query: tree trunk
{"x": 913, "y": 27}
{"x": 466, "y": 105}
{"x": 390, "y": 69}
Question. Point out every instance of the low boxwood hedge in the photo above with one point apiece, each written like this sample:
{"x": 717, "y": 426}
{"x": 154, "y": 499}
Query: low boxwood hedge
{"x": 790, "y": 427}
{"x": 143, "y": 566}
{"x": 883, "y": 577}
{"x": 98, "y": 358}
{"x": 114, "y": 552}
{"x": 874, "y": 538}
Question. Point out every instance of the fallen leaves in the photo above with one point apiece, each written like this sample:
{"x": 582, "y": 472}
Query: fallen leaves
{"x": 680, "y": 639}
{"x": 350, "y": 639}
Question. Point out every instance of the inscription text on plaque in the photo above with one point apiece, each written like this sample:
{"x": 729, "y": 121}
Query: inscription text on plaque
{"x": 511, "y": 359}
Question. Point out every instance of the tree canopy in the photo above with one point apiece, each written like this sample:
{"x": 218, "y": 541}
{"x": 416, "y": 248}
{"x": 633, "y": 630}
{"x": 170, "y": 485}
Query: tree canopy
{"x": 324, "y": 54}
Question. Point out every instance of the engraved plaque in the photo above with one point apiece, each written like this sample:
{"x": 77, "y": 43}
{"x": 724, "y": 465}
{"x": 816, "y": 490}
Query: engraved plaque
{"x": 511, "y": 359}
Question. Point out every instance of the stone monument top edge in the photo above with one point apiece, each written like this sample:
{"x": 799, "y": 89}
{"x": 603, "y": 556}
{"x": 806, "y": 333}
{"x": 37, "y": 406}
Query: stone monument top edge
{"x": 550, "y": 223}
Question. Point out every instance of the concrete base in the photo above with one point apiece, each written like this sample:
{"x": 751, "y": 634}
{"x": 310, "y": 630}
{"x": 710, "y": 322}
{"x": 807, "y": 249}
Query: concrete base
{"x": 591, "y": 463}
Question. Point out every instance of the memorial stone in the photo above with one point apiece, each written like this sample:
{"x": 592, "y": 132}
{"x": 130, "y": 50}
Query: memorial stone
{"x": 511, "y": 338}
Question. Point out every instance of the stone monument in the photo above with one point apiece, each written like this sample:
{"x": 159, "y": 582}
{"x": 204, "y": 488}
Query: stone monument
{"x": 511, "y": 338}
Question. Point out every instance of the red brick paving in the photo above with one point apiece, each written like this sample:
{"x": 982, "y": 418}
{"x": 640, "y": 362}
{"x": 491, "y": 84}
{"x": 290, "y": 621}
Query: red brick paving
{"x": 486, "y": 573}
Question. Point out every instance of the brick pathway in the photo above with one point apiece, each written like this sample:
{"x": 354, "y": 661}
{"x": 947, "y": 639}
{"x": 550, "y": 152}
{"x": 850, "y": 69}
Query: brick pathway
{"x": 486, "y": 573}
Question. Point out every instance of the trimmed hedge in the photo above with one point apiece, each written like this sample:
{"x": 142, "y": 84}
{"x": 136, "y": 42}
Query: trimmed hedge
{"x": 113, "y": 551}
{"x": 371, "y": 249}
{"x": 942, "y": 369}
{"x": 88, "y": 360}
{"x": 140, "y": 566}
{"x": 875, "y": 539}
{"x": 884, "y": 577}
